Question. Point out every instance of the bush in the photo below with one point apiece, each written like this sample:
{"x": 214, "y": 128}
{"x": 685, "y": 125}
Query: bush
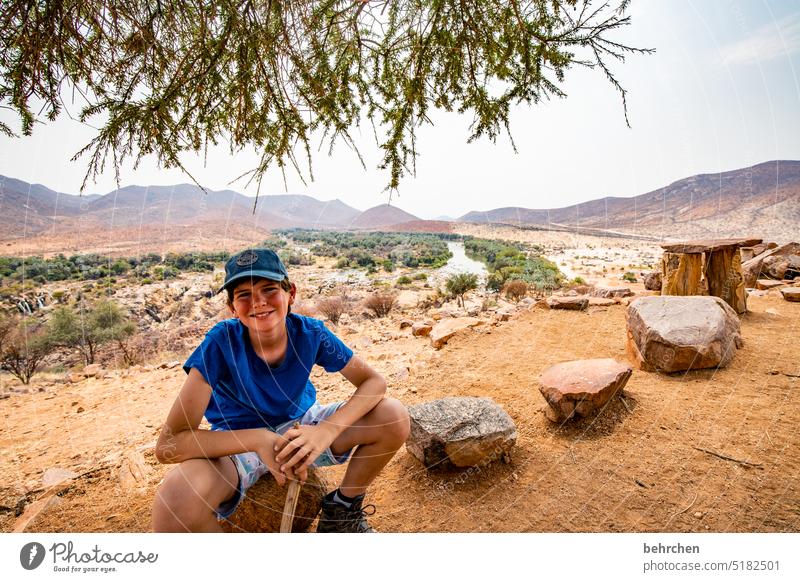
{"x": 515, "y": 290}
{"x": 381, "y": 303}
{"x": 23, "y": 347}
{"x": 419, "y": 277}
{"x": 629, "y": 277}
{"x": 101, "y": 323}
{"x": 461, "y": 284}
{"x": 404, "y": 280}
{"x": 332, "y": 308}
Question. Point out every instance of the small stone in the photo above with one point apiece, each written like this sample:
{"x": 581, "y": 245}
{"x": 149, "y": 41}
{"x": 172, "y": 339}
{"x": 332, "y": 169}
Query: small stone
{"x": 406, "y": 323}
{"x": 421, "y": 329}
{"x": 443, "y": 331}
{"x": 791, "y": 294}
{"x": 698, "y": 514}
{"x": 80, "y": 409}
{"x": 92, "y": 370}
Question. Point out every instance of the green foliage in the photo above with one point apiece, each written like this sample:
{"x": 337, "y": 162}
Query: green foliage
{"x": 629, "y": 277}
{"x": 578, "y": 281}
{"x": 87, "y": 330}
{"x": 368, "y": 250}
{"x": 419, "y": 277}
{"x": 94, "y": 267}
{"x": 460, "y": 284}
{"x": 403, "y": 280}
{"x": 177, "y": 76}
{"x": 507, "y": 261}
{"x": 23, "y": 347}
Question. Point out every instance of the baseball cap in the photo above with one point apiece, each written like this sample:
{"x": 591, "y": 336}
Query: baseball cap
{"x": 262, "y": 263}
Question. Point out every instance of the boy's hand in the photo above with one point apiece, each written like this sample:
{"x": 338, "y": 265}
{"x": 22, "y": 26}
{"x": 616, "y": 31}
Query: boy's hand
{"x": 302, "y": 447}
{"x": 266, "y": 448}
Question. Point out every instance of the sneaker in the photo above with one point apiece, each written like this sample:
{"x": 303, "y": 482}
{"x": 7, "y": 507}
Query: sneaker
{"x": 336, "y": 518}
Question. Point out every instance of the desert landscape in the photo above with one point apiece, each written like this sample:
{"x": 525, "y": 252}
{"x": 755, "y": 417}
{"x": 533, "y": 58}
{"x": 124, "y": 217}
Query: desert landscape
{"x": 713, "y": 449}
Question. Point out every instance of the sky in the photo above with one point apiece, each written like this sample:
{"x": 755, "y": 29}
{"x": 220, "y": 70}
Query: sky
{"x": 721, "y": 92}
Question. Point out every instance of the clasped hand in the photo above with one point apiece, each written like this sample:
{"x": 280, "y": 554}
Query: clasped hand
{"x": 298, "y": 448}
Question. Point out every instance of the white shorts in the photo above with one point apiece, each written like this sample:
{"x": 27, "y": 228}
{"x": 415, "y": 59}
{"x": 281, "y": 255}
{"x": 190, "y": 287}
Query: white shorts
{"x": 250, "y": 467}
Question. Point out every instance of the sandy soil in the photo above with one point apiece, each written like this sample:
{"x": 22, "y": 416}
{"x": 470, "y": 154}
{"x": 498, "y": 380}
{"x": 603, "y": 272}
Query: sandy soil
{"x": 635, "y": 467}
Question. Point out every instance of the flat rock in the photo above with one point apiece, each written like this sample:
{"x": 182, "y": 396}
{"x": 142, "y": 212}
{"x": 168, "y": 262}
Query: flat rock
{"x": 612, "y": 292}
{"x": 775, "y": 263}
{"x": 462, "y": 431}
{"x": 445, "y": 329}
{"x": 671, "y": 334}
{"x": 581, "y": 387}
{"x": 764, "y": 284}
{"x": 56, "y": 475}
{"x": 791, "y": 294}
{"x": 572, "y": 303}
{"x": 601, "y": 302}
{"x": 262, "y": 507}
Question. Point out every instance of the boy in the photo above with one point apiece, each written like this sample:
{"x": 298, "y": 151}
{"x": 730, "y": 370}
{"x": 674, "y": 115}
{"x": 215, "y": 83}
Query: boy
{"x": 250, "y": 378}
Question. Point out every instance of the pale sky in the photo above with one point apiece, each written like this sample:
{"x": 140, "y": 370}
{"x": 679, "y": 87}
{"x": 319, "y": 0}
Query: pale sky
{"x": 721, "y": 92}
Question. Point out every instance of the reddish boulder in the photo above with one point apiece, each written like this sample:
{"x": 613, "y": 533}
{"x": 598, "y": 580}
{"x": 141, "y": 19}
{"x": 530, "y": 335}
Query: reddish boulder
{"x": 571, "y": 303}
{"x": 582, "y": 387}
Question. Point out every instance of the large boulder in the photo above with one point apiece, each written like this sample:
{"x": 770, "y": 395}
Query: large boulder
{"x": 581, "y": 387}
{"x": 570, "y": 303}
{"x": 262, "y": 508}
{"x": 461, "y": 431}
{"x": 607, "y": 292}
{"x": 445, "y": 329}
{"x": 671, "y": 334}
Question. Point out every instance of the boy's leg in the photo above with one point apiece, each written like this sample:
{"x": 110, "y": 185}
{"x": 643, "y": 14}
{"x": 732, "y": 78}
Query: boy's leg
{"x": 378, "y": 435}
{"x": 190, "y": 494}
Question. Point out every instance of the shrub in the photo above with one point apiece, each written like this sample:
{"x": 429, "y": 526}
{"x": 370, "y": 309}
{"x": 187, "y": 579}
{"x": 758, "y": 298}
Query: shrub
{"x": 23, "y": 347}
{"x": 388, "y": 265}
{"x": 460, "y": 284}
{"x": 101, "y": 323}
{"x": 419, "y": 277}
{"x": 332, "y": 308}
{"x": 629, "y": 277}
{"x": 404, "y": 280}
{"x": 342, "y": 263}
{"x": 515, "y": 290}
{"x": 381, "y": 303}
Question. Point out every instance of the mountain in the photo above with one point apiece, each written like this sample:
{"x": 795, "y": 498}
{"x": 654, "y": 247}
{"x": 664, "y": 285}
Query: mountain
{"x": 761, "y": 200}
{"x": 30, "y": 209}
{"x": 382, "y": 216}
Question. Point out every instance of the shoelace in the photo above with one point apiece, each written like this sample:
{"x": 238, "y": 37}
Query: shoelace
{"x": 358, "y": 516}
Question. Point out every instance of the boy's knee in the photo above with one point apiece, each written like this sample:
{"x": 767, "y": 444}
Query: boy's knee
{"x": 181, "y": 503}
{"x": 397, "y": 422}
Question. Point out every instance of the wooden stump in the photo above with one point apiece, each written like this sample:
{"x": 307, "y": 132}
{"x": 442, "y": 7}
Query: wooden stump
{"x": 682, "y": 274}
{"x": 723, "y": 272}
{"x": 262, "y": 508}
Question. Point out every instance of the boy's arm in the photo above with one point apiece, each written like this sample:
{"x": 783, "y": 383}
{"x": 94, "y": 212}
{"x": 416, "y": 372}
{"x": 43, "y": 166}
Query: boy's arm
{"x": 307, "y": 443}
{"x": 180, "y": 439}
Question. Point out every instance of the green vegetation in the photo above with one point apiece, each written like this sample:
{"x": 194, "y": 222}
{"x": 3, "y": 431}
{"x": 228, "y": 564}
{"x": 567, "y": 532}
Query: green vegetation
{"x": 87, "y": 330}
{"x": 629, "y": 277}
{"x": 24, "y": 345}
{"x": 93, "y": 266}
{"x": 169, "y": 78}
{"x": 507, "y": 261}
{"x": 460, "y": 284}
{"x": 403, "y": 280}
{"x": 376, "y": 249}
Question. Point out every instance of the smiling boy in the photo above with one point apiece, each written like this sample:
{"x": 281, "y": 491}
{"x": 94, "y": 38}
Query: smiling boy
{"x": 250, "y": 379}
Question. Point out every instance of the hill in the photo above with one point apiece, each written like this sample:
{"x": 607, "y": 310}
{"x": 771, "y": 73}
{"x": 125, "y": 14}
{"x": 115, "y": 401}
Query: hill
{"x": 760, "y": 199}
{"x": 381, "y": 216}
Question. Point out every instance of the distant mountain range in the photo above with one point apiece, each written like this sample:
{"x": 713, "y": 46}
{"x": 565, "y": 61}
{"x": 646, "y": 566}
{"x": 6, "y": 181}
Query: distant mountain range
{"x": 762, "y": 200}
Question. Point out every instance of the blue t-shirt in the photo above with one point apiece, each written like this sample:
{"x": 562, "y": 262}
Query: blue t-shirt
{"x": 246, "y": 391}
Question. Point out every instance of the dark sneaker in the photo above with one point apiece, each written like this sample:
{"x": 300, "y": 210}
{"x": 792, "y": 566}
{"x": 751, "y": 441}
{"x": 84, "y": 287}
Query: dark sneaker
{"x": 336, "y": 518}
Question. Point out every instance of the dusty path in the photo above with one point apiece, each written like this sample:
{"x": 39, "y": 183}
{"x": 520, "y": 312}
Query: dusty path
{"x": 623, "y": 471}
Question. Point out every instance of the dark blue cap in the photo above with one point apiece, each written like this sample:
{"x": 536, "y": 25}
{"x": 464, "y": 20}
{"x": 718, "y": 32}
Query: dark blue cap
{"x": 261, "y": 263}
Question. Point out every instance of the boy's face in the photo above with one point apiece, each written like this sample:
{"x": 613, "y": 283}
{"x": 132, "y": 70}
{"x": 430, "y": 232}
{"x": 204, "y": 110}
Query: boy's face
{"x": 261, "y": 304}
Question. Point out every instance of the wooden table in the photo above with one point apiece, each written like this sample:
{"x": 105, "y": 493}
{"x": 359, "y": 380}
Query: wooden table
{"x": 706, "y": 267}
